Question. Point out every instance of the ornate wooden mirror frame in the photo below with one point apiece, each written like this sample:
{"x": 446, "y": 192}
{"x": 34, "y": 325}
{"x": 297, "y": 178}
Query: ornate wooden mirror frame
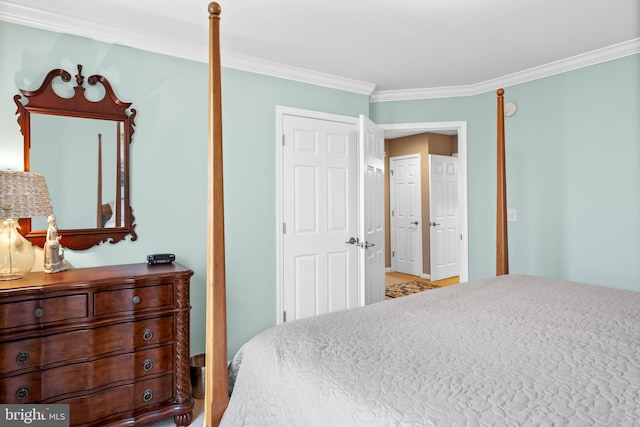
{"x": 113, "y": 220}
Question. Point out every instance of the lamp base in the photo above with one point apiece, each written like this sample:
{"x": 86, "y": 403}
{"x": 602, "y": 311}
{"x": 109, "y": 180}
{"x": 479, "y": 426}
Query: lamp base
{"x": 11, "y": 276}
{"x": 16, "y": 253}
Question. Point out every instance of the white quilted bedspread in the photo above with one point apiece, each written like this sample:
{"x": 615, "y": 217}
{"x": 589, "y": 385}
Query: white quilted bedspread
{"x": 506, "y": 351}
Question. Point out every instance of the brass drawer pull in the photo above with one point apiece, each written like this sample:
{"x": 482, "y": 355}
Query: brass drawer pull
{"x": 38, "y": 312}
{"x": 22, "y": 358}
{"x": 147, "y": 335}
{"x": 22, "y": 393}
{"x": 148, "y": 365}
{"x": 147, "y": 396}
{"x": 136, "y": 299}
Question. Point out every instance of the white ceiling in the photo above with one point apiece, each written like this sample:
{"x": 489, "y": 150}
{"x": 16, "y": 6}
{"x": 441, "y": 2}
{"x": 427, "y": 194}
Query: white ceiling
{"x": 392, "y": 46}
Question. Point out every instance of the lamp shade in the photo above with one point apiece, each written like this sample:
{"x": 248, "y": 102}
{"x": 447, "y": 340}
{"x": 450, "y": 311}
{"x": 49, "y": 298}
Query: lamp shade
{"x": 23, "y": 195}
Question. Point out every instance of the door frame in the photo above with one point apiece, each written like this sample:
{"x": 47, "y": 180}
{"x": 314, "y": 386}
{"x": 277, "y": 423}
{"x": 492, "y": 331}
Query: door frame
{"x": 281, "y": 111}
{"x": 461, "y": 128}
{"x": 392, "y": 196}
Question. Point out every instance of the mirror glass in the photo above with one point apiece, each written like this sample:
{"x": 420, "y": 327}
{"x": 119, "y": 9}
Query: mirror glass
{"x": 80, "y": 142}
{"x": 78, "y": 157}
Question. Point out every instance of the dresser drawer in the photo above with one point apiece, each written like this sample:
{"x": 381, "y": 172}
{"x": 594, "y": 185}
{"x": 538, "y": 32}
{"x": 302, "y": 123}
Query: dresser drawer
{"x": 132, "y": 299}
{"x": 19, "y": 355}
{"x": 88, "y": 376}
{"x": 45, "y": 310}
{"x": 20, "y": 389}
{"x": 120, "y": 400}
{"x": 34, "y": 353}
{"x": 85, "y": 343}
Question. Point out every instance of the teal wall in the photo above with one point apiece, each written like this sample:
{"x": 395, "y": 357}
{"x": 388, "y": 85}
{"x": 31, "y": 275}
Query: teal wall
{"x": 168, "y": 145}
{"x": 573, "y": 161}
{"x": 573, "y": 172}
{"x": 169, "y": 160}
{"x": 249, "y": 131}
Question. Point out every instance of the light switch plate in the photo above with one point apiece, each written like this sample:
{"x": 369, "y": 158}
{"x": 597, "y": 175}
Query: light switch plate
{"x": 512, "y": 215}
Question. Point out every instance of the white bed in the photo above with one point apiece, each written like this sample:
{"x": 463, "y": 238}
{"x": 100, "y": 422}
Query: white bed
{"x": 511, "y": 350}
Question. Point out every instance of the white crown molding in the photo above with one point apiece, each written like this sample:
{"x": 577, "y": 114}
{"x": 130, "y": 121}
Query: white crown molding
{"x": 426, "y": 93}
{"x": 158, "y": 43}
{"x": 274, "y": 69}
{"x": 597, "y": 56}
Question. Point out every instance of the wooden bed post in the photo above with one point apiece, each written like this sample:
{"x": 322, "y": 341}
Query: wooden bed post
{"x": 216, "y": 384}
{"x": 502, "y": 245}
{"x": 99, "y": 189}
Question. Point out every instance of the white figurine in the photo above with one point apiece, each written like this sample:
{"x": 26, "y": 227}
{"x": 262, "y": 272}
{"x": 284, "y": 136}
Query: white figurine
{"x": 53, "y": 252}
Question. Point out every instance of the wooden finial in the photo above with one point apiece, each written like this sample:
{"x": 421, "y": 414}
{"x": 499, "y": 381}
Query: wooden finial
{"x": 214, "y": 9}
{"x": 500, "y": 92}
{"x": 79, "y": 76}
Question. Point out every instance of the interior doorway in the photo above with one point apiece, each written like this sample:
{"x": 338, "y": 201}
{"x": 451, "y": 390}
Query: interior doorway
{"x": 330, "y": 213}
{"x": 450, "y": 128}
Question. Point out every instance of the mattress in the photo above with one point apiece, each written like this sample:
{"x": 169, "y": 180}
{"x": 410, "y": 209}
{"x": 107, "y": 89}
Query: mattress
{"x": 507, "y": 351}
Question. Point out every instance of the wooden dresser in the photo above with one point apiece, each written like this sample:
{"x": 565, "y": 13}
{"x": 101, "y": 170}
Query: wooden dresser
{"x": 112, "y": 342}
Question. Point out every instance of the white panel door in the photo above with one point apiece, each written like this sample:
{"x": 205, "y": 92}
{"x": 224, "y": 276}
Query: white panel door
{"x": 443, "y": 214}
{"x": 406, "y": 214}
{"x": 319, "y": 185}
{"x": 371, "y": 141}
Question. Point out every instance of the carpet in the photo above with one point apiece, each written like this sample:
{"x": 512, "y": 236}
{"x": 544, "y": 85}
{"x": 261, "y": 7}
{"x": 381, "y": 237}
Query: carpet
{"x": 407, "y": 288}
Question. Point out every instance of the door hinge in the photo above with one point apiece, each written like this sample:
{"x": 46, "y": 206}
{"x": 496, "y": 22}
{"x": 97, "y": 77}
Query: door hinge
{"x": 393, "y": 213}
{"x": 284, "y": 317}
{"x": 284, "y": 228}
{"x": 391, "y": 171}
{"x": 393, "y": 253}
{"x": 283, "y": 140}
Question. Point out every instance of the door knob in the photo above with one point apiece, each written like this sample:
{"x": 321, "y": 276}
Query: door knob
{"x": 352, "y": 241}
{"x": 415, "y": 223}
{"x": 433, "y": 224}
{"x": 367, "y": 245}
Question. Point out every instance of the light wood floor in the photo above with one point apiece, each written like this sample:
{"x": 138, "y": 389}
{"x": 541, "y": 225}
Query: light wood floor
{"x": 394, "y": 278}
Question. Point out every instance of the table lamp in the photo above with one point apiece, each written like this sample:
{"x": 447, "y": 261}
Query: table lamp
{"x": 22, "y": 195}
